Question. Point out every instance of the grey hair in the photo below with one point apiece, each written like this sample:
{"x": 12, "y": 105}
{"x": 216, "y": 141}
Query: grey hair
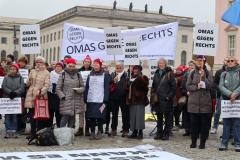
{"x": 162, "y": 59}
{"x": 119, "y": 63}
{"x": 39, "y": 58}
{"x": 105, "y": 65}
{"x": 192, "y": 61}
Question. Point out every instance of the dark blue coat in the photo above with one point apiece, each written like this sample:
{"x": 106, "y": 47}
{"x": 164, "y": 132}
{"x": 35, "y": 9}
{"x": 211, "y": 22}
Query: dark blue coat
{"x": 93, "y": 108}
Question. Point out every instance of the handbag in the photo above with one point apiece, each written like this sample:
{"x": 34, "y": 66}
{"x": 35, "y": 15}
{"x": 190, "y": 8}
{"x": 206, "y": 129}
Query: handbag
{"x": 154, "y": 96}
{"x": 182, "y": 101}
{"x": 113, "y": 87}
{"x": 64, "y": 136}
{"x": 41, "y": 109}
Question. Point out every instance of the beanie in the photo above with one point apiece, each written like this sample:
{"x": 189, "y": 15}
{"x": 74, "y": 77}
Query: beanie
{"x": 99, "y": 61}
{"x": 60, "y": 64}
{"x": 71, "y": 60}
{"x": 138, "y": 67}
{"x": 88, "y": 57}
{"x": 202, "y": 57}
{"x": 180, "y": 68}
{"x": 16, "y": 65}
{"x": 11, "y": 56}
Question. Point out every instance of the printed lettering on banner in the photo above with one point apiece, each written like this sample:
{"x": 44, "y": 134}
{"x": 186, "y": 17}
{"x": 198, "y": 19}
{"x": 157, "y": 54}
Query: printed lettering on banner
{"x": 206, "y": 36}
{"x": 8, "y": 106}
{"x": 1, "y": 81}
{"x": 155, "y": 42}
{"x": 113, "y": 40}
{"x": 230, "y": 110}
{"x": 152, "y": 69}
{"x": 84, "y": 75}
{"x": 30, "y": 39}
{"x": 24, "y": 74}
{"x": 131, "y": 50}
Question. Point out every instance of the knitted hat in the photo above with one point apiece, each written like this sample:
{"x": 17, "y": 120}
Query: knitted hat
{"x": 16, "y": 65}
{"x": 11, "y": 56}
{"x": 99, "y": 61}
{"x": 71, "y": 60}
{"x": 202, "y": 57}
{"x": 180, "y": 68}
{"x": 88, "y": 57}
{"x": 60, "y": 64}
{"x": 138, "y": 67}
{"x": 67, "y": 56}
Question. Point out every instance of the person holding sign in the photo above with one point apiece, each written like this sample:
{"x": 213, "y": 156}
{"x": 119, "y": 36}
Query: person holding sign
{"x": 84, "y": 71}
{"x": 230, "y": 88}
{"x": 199, "y": 85}
{"x": 70, "y": 88}
{"x": 137, "y": 101}
{"x": 96, "y": 96}
{"x": 13, "y": 86}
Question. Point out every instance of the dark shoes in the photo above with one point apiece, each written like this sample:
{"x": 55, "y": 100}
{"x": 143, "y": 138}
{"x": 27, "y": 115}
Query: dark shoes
{"x": 79, "y": 132}
{"x": 124, "y": 133}
{"x": 187, "y": 134}
{"x": 202, "y": 146}
{"x": 158, "y": 137}
{"x": 133, "y": 135}
{"x": 193, "y": 145}
{"x": 106, "y": 131}
{"x": 113, "y": 133}
{"x": 165, "y": 137}
{"x": 87, "y": 133}
{"x": 140, "y": 135}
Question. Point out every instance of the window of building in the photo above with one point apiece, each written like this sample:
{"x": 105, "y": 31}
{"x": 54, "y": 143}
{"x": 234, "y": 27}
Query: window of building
{"x": 46, "y": 55}
{"x": 54, "y": 55}
{"x": 4, "y": 40}
{"x": 184, "y": 38}
{"x": 50, "y": 37}
{"x": 43, "y": 39}
{"x": 58, "y": 54}
{"x": 15, "y": 41}
{"x": 28, "y": 56}
{"x": 3, "y": 55}
{"x": 59, "y": 35}
{"x": 50, "y": 56}
{"x": 40, "y": 40}
{"x": 183, "y": 58}
{"x": 43, "y": 54}
{"x": 232, "y": 45}
{"x": 15, "y": 54}
{"x": 55, "y": 36}
{"x": 47, "y": 38}
{"x": 171, "y": 62}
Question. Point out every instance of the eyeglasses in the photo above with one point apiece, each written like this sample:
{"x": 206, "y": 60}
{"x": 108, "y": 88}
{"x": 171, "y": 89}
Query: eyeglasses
{"x": 230, "y": 61}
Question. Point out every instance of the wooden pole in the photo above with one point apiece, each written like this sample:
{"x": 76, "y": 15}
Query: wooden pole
{"x": 202, "y": 68}
{"x": 130, "y": 87}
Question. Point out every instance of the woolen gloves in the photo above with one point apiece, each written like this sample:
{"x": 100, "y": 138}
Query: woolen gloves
{"x": 13, "y": 95}
{"x": 63, "y": 98}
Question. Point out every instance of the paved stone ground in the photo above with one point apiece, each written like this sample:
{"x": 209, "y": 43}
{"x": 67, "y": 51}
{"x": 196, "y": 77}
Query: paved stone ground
{"x": 177, "y": 144}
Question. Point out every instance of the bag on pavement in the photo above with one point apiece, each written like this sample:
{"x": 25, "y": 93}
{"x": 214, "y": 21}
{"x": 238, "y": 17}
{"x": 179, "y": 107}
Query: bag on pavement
{"x": 64, "y": 136}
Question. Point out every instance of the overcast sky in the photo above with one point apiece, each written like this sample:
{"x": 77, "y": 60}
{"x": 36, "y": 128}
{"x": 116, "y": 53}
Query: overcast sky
{"x": 200, "y": 10}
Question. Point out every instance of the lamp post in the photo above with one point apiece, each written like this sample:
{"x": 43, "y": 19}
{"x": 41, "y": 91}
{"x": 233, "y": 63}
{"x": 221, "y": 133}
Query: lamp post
{"x": 14, "y": 37}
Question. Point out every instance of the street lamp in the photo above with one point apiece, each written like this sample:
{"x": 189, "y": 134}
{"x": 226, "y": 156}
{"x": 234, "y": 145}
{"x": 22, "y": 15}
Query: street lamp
{"x": 14, "y": 38}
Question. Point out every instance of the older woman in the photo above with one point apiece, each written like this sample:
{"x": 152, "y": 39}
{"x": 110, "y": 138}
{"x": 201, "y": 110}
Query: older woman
{"x": 230, "y": 87}
{"x": 164, "y": 85}
{"x": 199, "y": 84}
{"x": 96, "y": 96}
{"x": 137, "y": 101}
{"x": 69, "y": 89}
{"x": 38, "y": 82}
{"x": 13, "y": 87}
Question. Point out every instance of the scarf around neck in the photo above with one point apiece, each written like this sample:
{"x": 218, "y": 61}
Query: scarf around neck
{"x": 120, "y": 75}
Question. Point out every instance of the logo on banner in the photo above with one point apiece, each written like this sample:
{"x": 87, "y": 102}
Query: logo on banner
{"x": 75, "y": 34}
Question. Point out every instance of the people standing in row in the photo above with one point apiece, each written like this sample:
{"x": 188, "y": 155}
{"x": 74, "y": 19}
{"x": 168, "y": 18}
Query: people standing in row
{"x": 96, "y": 96}
{"x": 164, "y": 85}
{"x": 13, "y": 87}
{"x": 38, "y": 83}
{"x": 199, "y": 84}
{"x": 137, "y": 100}
{"x": 69, "y": 89}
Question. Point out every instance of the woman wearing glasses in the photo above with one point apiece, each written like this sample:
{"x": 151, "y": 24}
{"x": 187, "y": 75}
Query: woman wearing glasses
{"x": 230, "y": 87}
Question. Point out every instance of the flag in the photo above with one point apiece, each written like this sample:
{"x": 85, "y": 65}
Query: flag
{"x": 102, "y": 108}
{"x": 232, "y": 15}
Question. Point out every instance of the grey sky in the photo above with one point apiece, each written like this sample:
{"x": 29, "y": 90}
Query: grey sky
{"x": 200, "y": 10}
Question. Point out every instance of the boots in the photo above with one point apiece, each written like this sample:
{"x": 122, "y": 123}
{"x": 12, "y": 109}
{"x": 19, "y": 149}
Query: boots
{"x": 92, "y": 136}
{"x": 140, "y": 135}
{"x": 158, "y": 137}
{"x": 87, "y": 133}
{"x": 79, "y": 132}
{"x": 202, "y": 143}
{"x": 133, "y": 135}
{"x": 194, "y": 143}
{"x": 165, "y": 136}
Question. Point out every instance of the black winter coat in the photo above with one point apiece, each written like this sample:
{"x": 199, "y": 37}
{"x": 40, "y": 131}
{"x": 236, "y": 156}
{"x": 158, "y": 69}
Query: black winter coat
{"x": 119, "y": 93}
{"x": 167, "y": 89}
{"x": 54, "y": 101}
{"x": 216, "y": 80}
{"x": 83, "y": 69}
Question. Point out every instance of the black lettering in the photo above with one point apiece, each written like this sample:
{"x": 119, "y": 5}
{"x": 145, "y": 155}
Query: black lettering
{"x": 93, "y": 47}
{"x": 138, "y": 152}
{"x": 213, "y": 46}
{"x": 78, "y": 50}
{"x": 113, "y": 46}
{"x": 37, "y": 157}
{"x": 29, "y": 32}
{"x": 144, "y": 37}
{"x": 131, "y": 56}
{"x": 117, "y": 153}
{"x": 9, "y": 158}
{"x": 112, "y": 35}
{"x": 53, "y": 156}
{"x": 79, "y": 155}
{"x": 101, "y": 46}
{"x": 112, "y": 40}
{"x": 68, "y": 51}
{"x": 87, "y": 48}
{"x": 170, "y": 32}
{"x": 30, "y": 45}
{"x": 149, "y": 36}
{"x": 29, "y": 38}
{"x": 99, "y": 154}
{"x": 163, "y": 32}
{"x": 131, "y": 50}
{"x": 159, "y": 34}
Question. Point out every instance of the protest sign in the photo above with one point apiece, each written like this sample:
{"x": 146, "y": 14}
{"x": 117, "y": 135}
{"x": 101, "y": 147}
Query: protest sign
{"x": 97, "y": 154}
{"x": 1, "y": 81}
{"x": 113, "y": 40}
{"x": 155, "y": 42}
{"x": 206, "y": 36}
{"x": 24, "y": 74}
{"x": 152, "y": 69}
{"x": 8, "y": 106}
{"x": 230, "y": 110}
{"x": 131, "y": 50}
{"x": 30, "y": 39}
{"x": 84, "y": 75}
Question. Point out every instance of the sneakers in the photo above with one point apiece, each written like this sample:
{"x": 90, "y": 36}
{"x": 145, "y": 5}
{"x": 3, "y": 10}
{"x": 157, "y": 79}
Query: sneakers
{"x": 213, "y": 131}
{"x": 14, "y": 135}
{"x": 113, "y": 133}
{"x": 175, "y": 128}
{"x": 223, "y": 148}
{"x": 237, "y": 148}
{"x": 7, "y": 135}
{"x": 99, "y": 135}
{"x": 79, "y": 132}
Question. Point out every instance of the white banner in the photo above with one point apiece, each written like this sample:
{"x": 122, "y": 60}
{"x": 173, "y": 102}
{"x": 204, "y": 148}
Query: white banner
{"x": 155, "y": 42}
{"x": 113, "y": 40}
{"x": 97, "y": 154}
{"x": 206, "y": 37}
{"x": 131, "y": 50}
{"x": 30, "y": 39}
{"x": 8, "y": 106}
{"x": 230, "y": 110}
{"x": 24, "y": 74}
{"x": 152, "y": 69}
{"x": 1, "y": 81}
{"x": 84, "y": 75}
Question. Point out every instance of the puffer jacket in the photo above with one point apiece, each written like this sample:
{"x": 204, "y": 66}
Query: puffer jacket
{"x": 199, "y": 100}
{"x": 40, "y": 82}
{"x": 13, "y": 84}
{"x": 72, "y": 104}
{"x": 230, "y": 82}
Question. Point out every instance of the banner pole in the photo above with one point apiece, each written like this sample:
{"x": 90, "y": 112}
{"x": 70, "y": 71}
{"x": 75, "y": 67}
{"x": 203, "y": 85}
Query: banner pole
{"x": 130, "y": 87}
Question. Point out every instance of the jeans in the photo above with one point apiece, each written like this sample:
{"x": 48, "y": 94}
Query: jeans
{"x": 217, "y": 114}
{"x": 11, "y": 122}
{"x": 226, "y": 131}
{"x": 67, "y": 120}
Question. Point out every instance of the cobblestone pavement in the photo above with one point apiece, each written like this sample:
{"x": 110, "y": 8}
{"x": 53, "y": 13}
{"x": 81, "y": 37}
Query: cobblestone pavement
{"x": 177, "y": 144}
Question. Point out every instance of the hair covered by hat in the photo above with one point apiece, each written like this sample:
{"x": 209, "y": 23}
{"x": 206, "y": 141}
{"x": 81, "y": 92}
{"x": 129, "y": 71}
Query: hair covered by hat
{"x": 88, "y": 57}
{"x": 138, "y": 67}
{"x": 99, "y": 61}
{"x": 202, "y": 57}
{"x": 67, "y": 56}
{"x": 71, "y": 61}
{"x": 11, "y": 56}
{"x": 180, "y": 68}
{"x": 16, "y": 65}
{"x": 60, "y": 64}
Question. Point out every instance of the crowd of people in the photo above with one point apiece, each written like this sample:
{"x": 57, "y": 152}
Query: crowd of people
{"x": 95, "y": 95}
